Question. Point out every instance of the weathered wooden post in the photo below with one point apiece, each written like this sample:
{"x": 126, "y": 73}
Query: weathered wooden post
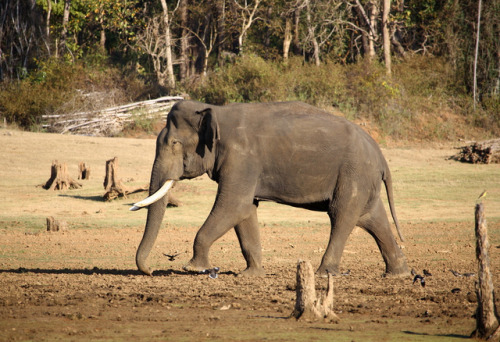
{"x": 487, "y": 325}
{"x": 308, "y": 306}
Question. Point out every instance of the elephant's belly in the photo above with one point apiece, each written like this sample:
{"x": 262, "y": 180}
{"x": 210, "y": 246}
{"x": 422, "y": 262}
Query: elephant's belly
{"x": 315, "y": 206}
{"x": 304, "y": 193}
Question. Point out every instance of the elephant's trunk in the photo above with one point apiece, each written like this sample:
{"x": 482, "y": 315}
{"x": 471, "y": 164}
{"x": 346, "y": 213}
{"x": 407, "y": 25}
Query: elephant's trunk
{"x": 156, "y": 211}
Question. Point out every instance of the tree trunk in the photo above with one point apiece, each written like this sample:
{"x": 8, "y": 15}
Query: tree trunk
{"x": 47, "y": 26}
{"x": 64, "y": 32}
{"x": 183, "y": 67}
{"x": 474, "y": 87}
{"x": 102, "y": 40}
{"x": 386, "y": 36}
{"x": 296, "y": 31}
{"x": 221, "y": 32}
{"x": 246, "y": 22}
{"x": 487, "y": 325}
{"x": 205, "y": 62}
{"x": 287, "y": 39}
{"x": 371, "y": 22}
{"x": 312, "y": 34}
{"x": 316, "y": 52}
{"x": 268, "y": 31}
{"x": 47, "y": 18}
{"x": 373, "y": 25}
{"x": 364, "y": 34}
{"x": 397, "y": 44}
{"x": 168, "y": 42}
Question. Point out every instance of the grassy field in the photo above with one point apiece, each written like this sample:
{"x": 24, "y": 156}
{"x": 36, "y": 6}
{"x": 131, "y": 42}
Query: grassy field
{"x": 82, "y": 284}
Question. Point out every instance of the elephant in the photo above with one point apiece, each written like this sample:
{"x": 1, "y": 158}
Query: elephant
{"x": 287, "y": 152}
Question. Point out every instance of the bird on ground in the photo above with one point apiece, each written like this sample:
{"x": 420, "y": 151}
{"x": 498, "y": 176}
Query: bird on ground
{"x": 171, "y": 257}
{"x": 419, "y": 277}
{"x": 212, "y": 272}
{"x": 458, "y": 274}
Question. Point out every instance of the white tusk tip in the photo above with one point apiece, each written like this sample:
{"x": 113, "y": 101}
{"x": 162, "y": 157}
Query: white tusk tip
{"x": 134, "y": 208}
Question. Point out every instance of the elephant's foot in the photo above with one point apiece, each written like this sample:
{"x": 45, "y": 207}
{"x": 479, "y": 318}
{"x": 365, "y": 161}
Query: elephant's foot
{"x": 399, "y": 271}
{"x": 323, "y": 270}
{"x": 193, "y": 266}
{"x": 252, "y": 272}
{"x": 396, "y": 266}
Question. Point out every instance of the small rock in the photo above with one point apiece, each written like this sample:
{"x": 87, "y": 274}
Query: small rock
{"x": 471, "y": 297}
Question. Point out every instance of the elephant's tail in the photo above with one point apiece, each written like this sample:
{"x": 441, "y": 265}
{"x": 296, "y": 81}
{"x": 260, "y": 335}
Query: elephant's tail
{"x": 390, "y": 196}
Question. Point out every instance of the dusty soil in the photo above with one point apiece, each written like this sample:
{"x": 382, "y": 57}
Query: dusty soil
{"x": 82, "y": 284}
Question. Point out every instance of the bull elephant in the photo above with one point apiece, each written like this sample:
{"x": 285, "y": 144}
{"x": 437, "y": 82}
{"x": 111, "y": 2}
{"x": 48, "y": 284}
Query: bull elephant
{"x": 290, "y": 153}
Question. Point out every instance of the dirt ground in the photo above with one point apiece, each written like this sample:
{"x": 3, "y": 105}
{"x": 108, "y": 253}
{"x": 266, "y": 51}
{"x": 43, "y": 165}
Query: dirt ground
{"x": 82, "y": 284}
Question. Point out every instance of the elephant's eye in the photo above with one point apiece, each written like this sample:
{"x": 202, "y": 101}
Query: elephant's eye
{"x": 176, "y": 146}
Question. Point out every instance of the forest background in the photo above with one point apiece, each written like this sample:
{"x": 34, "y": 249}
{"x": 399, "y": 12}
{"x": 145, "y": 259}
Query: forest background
{"x": 422, "y": 70}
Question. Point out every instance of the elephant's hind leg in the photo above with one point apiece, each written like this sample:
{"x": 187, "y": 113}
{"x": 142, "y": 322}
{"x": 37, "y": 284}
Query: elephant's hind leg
{"x": 249, "y": 237}
{"x": 377, "y": 224}
{"x": 343, "y": 222}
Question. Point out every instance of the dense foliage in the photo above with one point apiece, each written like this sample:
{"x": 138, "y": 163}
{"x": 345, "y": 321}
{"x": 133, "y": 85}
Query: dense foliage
{"x": 325, "y": 52}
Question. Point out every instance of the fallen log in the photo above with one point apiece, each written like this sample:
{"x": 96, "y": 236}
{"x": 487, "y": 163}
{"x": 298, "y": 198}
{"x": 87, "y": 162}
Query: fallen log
{"x": 108, "y": 121}
{"x": 480, "y": 152}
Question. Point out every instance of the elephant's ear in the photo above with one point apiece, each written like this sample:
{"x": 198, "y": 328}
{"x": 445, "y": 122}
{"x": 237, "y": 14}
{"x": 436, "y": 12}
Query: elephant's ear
{"x": 208, "y": 127}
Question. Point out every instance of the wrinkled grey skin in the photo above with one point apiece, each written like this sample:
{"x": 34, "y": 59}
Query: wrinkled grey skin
{"x": 289, "y": 153}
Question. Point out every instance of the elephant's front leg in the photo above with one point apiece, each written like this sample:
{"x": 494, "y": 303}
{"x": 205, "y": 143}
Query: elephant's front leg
{"x": 230, "y": 210}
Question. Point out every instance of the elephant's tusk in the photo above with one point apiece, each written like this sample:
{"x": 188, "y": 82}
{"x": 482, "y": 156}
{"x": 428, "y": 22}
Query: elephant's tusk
{"x": 154, "y": 197}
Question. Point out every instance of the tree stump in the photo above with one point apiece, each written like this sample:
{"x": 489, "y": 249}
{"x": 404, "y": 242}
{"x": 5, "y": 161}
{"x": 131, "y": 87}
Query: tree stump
{"x": 54, "y": 225}
{"x": 83, "y": 171}
{"x": 59, "y": 178}
{"x": 308, "y": 306}
{"x": 480, "y": 152}
{"x": 113, "y": 185}
{"x": 487, "y": 322}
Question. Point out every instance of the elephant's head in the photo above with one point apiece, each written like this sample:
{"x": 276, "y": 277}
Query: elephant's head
{"x": 185, "y": 149}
